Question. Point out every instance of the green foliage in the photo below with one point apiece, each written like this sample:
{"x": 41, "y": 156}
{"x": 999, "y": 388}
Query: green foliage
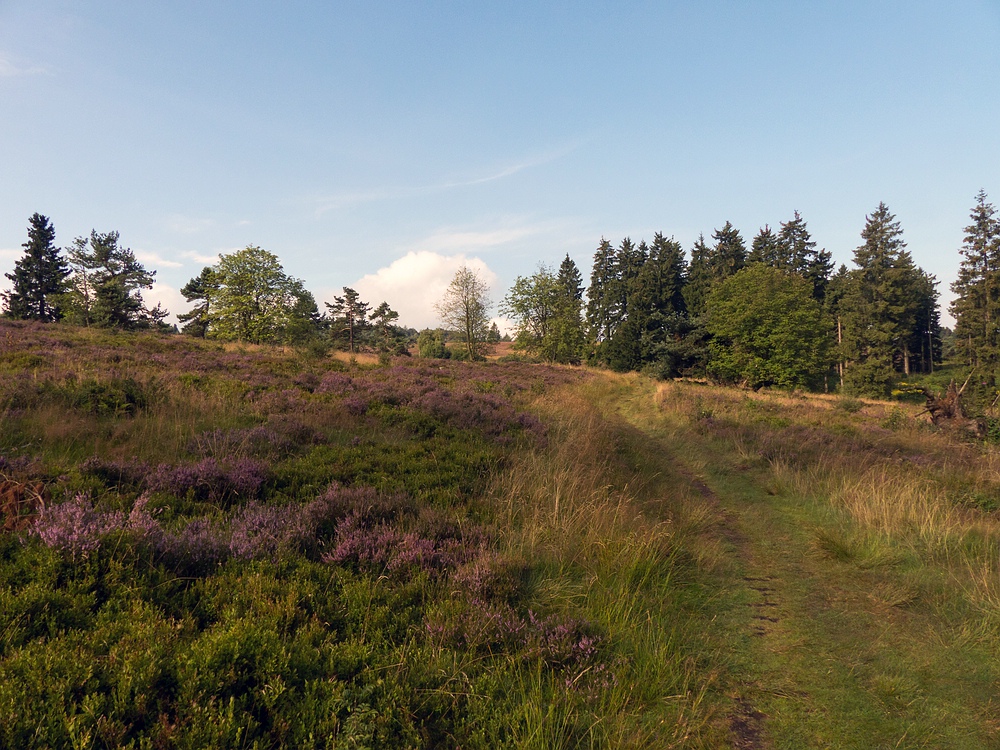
{"x": 546, "y": 311}
{"x": 767, "y": 330}
{"x": 880, "y": 307}
{"x": 105, "y": 285}
{"x": 976, "y": 307}
{"x": 465, "y": 308}
{"x": 247, "y": 296}
{"x": 430, "y": 344}
{"x": 39, "y": 277}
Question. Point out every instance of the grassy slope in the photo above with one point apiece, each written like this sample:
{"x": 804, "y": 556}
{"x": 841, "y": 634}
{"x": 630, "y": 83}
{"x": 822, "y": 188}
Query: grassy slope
{"x": 757, "y": 570}
{"x": 856, "y": 588}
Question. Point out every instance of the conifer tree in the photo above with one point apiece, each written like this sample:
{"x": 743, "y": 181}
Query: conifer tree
{"x": 39, "y": 277}
{"x": 699, "y": 282}
{"x": 350, "y": 319}
{"x": 199, "y": 289}
{"x": 600, "y": 294}
{"x": 765, "y": 248}
{"x": 880, "y": 304}
{"x": 729, "y": 255}
{"x": 798, "y": 254}
{"x": 568, "y": 333}
{"x": 106, "y": 284}
{"x": 976, "y": 307}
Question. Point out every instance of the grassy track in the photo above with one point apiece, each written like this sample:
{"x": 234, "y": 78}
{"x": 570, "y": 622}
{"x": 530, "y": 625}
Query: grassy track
{"x": 831, "y": 631}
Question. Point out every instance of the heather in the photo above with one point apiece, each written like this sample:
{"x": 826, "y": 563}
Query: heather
{"x": 237, "y": 545}
{"x": 273, "y": 548}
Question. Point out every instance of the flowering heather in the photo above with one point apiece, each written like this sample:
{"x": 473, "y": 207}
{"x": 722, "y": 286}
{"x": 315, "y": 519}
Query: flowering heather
{"x": 381, "y": 546}
{"x": 448, "y": 393}
{"x": 75, "y": 526}
{"x": 263, "y": 531}
{"x": 488, "y": 626}
{"x": 240, "y": 478}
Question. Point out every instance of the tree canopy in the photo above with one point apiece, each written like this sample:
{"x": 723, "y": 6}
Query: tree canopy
{"x": 465, "y": 308}
{"x": 767, "y": 329}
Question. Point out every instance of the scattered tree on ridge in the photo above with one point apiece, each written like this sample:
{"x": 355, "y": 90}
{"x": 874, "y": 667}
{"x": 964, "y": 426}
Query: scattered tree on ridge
{"x": 465, "y": 308}
{"x": 350, "y": 319}
{"x": 105, "y": 285}
{"x": 39, "y": 277}
{"x": 201, "y": 289}
{"x": 247, "y": 296}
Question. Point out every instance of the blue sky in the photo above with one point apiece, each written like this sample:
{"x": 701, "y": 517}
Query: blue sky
{"x": 380, "y": 145}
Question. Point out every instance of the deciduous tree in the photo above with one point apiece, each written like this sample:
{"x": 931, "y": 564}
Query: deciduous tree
{"x": 767, "y": 329}
{"x": 465, "y": 308}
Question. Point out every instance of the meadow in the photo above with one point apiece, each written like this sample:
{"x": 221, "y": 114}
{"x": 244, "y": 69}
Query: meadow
{"x": 210, "y": 545}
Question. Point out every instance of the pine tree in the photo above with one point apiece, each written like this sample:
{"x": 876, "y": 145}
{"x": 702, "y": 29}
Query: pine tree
{"x": 880, "y": 305}
{"x": 201, "y": 289}
{"x": 976, "y": 307}
{"x": 350, "y": 319}
{"x": 106, "y": 284}
{"x": 600, "y": 317}
{"x": 765, "y": 248}
{"x": 39, "y": 277}
{"x": 729, "y": 255}
{"x": 699, "y": 282}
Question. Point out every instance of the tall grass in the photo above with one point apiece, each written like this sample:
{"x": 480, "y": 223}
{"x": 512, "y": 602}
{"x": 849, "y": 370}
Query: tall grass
{"x": 605, "y": 527}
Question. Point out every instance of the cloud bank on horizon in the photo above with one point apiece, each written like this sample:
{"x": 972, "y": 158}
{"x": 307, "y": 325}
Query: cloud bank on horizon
{"x": 415, "y": 283}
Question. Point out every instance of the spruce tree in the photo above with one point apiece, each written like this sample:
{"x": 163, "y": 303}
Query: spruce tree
{"x": 976, "y": 307}
{"x": 765, "y": 248}
{"x": 729, "y": 255}
{"x": 39, "y": 277}
{"x": 699, "y": 282}
{"x": 880, "y": 306}
{"x": 568, "y": 334}
{"x": 798, "y": 254}
{"x": 600, "y": 294}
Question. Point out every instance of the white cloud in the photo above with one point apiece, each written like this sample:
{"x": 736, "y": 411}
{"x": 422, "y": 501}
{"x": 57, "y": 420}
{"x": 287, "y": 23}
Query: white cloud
{"x": 413, "y": 284}
{"x": 170, "y": 298}
{"x": 10, "y": 253}
{"x": 10, "y": 70}
{"x": 205, "y": 259}
{"x": 156, "y": 261}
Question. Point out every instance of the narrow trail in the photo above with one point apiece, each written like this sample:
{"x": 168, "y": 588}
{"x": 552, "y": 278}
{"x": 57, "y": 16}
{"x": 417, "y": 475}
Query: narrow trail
{"x": 812, "y": 658}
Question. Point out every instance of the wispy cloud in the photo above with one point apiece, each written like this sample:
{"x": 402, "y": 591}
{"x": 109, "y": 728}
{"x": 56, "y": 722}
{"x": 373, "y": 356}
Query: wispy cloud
{"x": 182, "y": 224}
{"x": 446, "y": 240}
{"x": 155, "y": 260}
{"x": 344, "y": 199}
{"x": 202, "y": 258}
{"x": 9, "y": 69}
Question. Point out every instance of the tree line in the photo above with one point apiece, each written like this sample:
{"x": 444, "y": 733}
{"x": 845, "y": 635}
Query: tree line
{"x": 775, "y": 314}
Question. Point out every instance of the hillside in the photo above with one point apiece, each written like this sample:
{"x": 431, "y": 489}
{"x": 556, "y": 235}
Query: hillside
{"x": 210, "y": 545}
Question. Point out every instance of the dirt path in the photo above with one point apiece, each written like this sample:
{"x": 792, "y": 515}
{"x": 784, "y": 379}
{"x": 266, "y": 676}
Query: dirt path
{"x": 812, "y": 657}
